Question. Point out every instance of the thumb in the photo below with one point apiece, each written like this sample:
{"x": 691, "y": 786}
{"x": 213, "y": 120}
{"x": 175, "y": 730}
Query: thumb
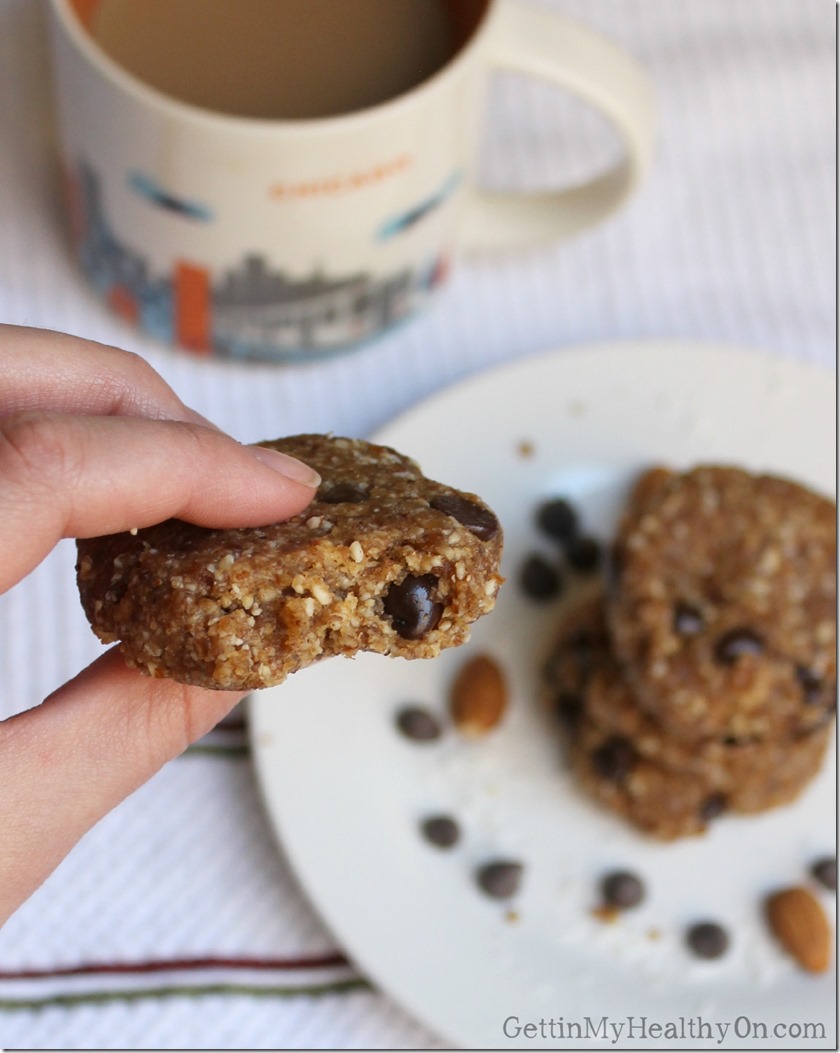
{"x": 69, "y": 761}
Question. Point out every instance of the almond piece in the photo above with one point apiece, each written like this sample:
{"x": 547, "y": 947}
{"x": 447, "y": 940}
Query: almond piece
{"x": 479, "y": 696}
{"x": 801, "y": 926}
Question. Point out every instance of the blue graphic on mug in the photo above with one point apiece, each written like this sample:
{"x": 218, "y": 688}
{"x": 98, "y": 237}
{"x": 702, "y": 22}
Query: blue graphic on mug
{"x": 149, "y": 189}
{"x": 251, "y": 310}
{"x": 405, "y": 220}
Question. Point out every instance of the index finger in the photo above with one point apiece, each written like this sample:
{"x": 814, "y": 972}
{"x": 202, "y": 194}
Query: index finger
{"x": 74, "y": 476}
{"x": 52, "y": 372}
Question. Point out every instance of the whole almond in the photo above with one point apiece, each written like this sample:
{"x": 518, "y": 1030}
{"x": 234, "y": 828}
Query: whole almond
{"x": 479, "y": 696}
{"x": 801, "y": 926}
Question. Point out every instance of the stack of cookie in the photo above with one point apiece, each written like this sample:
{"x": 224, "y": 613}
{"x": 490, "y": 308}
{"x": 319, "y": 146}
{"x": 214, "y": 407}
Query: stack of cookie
{"x": 704, "y": 680}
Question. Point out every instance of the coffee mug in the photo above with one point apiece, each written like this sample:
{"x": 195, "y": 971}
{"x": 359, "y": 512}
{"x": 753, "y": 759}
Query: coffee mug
{"x": 283, "y": 179}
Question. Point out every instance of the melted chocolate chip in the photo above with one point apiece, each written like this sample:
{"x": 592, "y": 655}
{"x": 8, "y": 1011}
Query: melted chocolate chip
{"x": 688, "y": 621}
{"x": 713, "y": 806}
{"x": 411, "y": 608}
{"x": 540, "y": 579}
{"x": 811, "y": 685}
{"x": 584, "y": 554}
{"x": 737, "y": 643}
{"x": 479, "y": 521}
{"x": 622, "y": 889}
{"x": 707, "y": 939}
{"x": 418, "y": 724}
{"x": 825, "y": 871}
{"x": 614, "y": 759}
{"x": 344, "y": 493}
{"x": 558, "y": 519}
{"x": 499, "y": 879}
{"x": 441, "y": 831}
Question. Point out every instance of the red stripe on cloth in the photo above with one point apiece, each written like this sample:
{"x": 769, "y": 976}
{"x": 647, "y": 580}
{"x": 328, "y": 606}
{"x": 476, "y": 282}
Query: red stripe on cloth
{"x": 323, "y": 961}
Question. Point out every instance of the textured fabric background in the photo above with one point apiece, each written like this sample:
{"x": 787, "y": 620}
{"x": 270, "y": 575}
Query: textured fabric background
{"x": 732, "y": 239}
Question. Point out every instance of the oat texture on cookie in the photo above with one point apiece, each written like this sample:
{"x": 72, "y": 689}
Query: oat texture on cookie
{"x": 723, "y": 602}
{"x": 701, "y": 681}
{"x": 383, "y": 560}
{"x": 629, "y": 761}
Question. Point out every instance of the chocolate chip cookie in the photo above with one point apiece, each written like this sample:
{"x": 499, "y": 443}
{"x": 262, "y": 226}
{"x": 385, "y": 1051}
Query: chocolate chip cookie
{"x": 383, "y": 560}
{"x": 630, "y": 763}
{"x": 723, "y": 603}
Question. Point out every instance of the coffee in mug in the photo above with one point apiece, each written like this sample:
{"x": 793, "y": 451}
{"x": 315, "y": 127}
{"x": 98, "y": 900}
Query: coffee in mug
{"x": 278, "y": 59}
{"x": 284, "y": 179}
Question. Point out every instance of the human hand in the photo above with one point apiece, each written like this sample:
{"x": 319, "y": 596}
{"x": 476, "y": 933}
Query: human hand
{"x": 93, "y": 441}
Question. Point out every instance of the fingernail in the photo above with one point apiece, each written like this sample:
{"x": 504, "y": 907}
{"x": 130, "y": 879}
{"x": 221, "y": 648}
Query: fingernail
{"x": 286, "y": 465}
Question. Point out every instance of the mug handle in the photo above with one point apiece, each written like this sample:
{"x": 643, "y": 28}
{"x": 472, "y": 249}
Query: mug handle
{"x": 546, "y": 45}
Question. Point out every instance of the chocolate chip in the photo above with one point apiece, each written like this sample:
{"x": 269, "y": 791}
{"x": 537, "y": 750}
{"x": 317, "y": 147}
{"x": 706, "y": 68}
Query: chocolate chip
{"x": 622, "y": 889}
{"x": 499, "y": 879}
{"x": 418, "y": 724}
{"x": 707, "y": 939}
{"x": 540, "y": 579}
{"x": 713, "y": 806}
{"x": 116, "y": 593}
{"x": 584, "y": 554}
{"x": 688, "y": 621}
{"x": 344, "y": 493}
{"x": 583, "y": 646}
{"x": 558, "y": 519}
{"x": 614, "y": 759}
{"x": 825, "y": 871}
{"x": 441, "y": 831}
{"x": 571, "y": 664}
{"x": 811, "y": 685}
{"x": 479, "y": 521}
{"x": 569, "y": 709}
{"x": 737, "y": 643}
{"x": 735, "y": 741}
{"x": 410, "y": 606}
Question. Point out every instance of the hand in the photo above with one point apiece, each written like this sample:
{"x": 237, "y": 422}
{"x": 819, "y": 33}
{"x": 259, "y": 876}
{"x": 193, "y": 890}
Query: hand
{"x": 93, "y": 441}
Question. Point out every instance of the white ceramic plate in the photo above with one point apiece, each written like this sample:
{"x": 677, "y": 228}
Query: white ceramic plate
{"x": 346, "y": 791}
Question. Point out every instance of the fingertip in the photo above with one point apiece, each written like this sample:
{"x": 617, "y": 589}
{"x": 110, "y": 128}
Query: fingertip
{"x": 290, "y": 467}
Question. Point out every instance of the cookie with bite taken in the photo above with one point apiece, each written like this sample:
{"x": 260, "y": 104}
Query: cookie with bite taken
{"x": 383, "y": 560}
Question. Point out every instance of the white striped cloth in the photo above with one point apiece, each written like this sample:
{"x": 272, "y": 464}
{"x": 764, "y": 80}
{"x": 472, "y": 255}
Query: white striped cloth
{"x": 731, "y": 239}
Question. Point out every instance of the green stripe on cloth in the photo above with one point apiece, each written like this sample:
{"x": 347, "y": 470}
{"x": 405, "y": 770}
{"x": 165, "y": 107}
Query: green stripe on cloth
{"x": 183, "y": 991}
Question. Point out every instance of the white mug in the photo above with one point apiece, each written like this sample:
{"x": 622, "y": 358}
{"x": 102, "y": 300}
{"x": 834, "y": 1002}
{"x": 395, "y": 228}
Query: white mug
{"x": 280, "y": 238}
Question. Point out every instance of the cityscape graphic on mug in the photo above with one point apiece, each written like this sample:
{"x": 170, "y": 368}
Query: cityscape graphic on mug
{"x": 251, "y": 310}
